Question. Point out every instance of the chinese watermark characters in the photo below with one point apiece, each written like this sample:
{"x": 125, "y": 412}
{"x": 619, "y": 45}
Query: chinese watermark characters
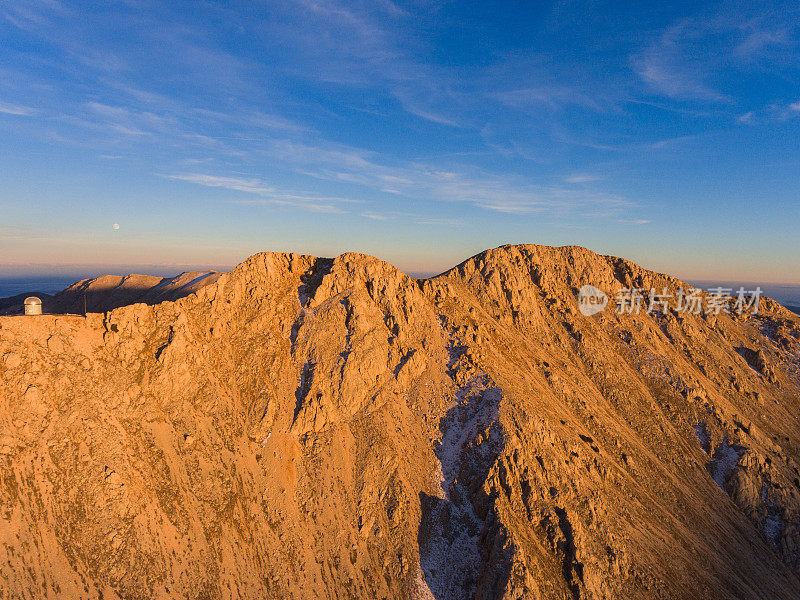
{"x": 695, "y": 301}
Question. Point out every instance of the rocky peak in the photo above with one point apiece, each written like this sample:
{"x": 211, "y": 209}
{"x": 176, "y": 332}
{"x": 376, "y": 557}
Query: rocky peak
{"x": 305, "y": 426}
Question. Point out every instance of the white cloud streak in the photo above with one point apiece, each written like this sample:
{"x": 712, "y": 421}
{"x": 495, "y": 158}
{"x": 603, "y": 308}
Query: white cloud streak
{"x": 270, "y": 196}
{"x": 688, "y": 57}
{"x": 17, "y": 110}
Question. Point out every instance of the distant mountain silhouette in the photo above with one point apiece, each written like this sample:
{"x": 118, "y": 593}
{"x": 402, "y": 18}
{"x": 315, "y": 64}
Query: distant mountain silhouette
{"x": 108, "y": 292}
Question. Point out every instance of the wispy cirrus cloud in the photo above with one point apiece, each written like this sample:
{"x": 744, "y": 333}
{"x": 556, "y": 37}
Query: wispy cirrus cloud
{"x": 456, "y": 184}
{"x": 675, "y": 80}
{"x": 512, "y": 196}
{"x": 438, "y": 221}
{"x": 773, "y": 113}
{"x": 17, "y": 110}
{"x": 30, "y": 15}
{"x": 130, "y": 122}
{"x": 551, "y": 96}
{"x": 669, "y": 66}
{"x": 420, "y": 109}
{"x": 374, "y": 216}
{"x": 582, "y": 178}
{"x": 409, "y": 181}
{"x": 269, "y": 195}
{"x": 255, "y": 119}
{"x": 247, "y": 185}
{"x": 691, "y": 57}
{"x": 416, "y": 218}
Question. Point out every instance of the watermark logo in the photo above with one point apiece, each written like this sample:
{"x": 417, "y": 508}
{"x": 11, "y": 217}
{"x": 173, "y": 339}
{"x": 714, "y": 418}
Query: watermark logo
{"x": 591, "y": 300}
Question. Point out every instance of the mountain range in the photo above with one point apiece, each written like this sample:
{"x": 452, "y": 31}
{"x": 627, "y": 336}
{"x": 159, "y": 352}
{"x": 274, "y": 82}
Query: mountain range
{"x": 306, "y": 427}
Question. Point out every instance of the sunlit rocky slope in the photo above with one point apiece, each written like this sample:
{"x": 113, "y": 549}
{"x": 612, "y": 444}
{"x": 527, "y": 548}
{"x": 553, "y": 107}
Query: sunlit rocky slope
{"x": 331, "y": 428}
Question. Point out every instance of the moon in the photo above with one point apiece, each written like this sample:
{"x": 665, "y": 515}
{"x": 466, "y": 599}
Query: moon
{"x": 115, "y": 226}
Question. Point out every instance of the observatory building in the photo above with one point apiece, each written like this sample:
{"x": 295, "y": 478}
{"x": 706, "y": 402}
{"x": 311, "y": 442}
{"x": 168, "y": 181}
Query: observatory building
{"x": 33, "y": 306}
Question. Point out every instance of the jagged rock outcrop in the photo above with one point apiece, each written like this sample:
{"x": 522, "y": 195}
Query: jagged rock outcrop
{"x": 305, "y": 427}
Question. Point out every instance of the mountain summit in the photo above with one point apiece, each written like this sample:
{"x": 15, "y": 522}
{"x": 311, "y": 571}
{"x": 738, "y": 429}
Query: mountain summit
{"x": 305, "y": 427}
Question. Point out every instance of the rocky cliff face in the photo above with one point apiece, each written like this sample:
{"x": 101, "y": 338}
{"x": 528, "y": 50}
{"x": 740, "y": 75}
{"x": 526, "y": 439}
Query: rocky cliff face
{"x": 317, "y": 428}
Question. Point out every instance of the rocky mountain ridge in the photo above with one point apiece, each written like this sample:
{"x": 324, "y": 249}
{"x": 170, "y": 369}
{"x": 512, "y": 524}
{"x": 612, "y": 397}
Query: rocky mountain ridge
{"x": 304, "y": 427}
{"x": 107, "y": 292}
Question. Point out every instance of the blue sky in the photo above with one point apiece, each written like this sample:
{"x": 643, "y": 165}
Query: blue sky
{"x": 419, "y": 132}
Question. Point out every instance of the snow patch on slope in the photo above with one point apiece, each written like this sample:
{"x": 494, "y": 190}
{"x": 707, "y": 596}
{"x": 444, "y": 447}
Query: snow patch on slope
{"x": 774, "y": 525}
{"x": 450, "y": 552}
{"x": 726, "y": 459}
